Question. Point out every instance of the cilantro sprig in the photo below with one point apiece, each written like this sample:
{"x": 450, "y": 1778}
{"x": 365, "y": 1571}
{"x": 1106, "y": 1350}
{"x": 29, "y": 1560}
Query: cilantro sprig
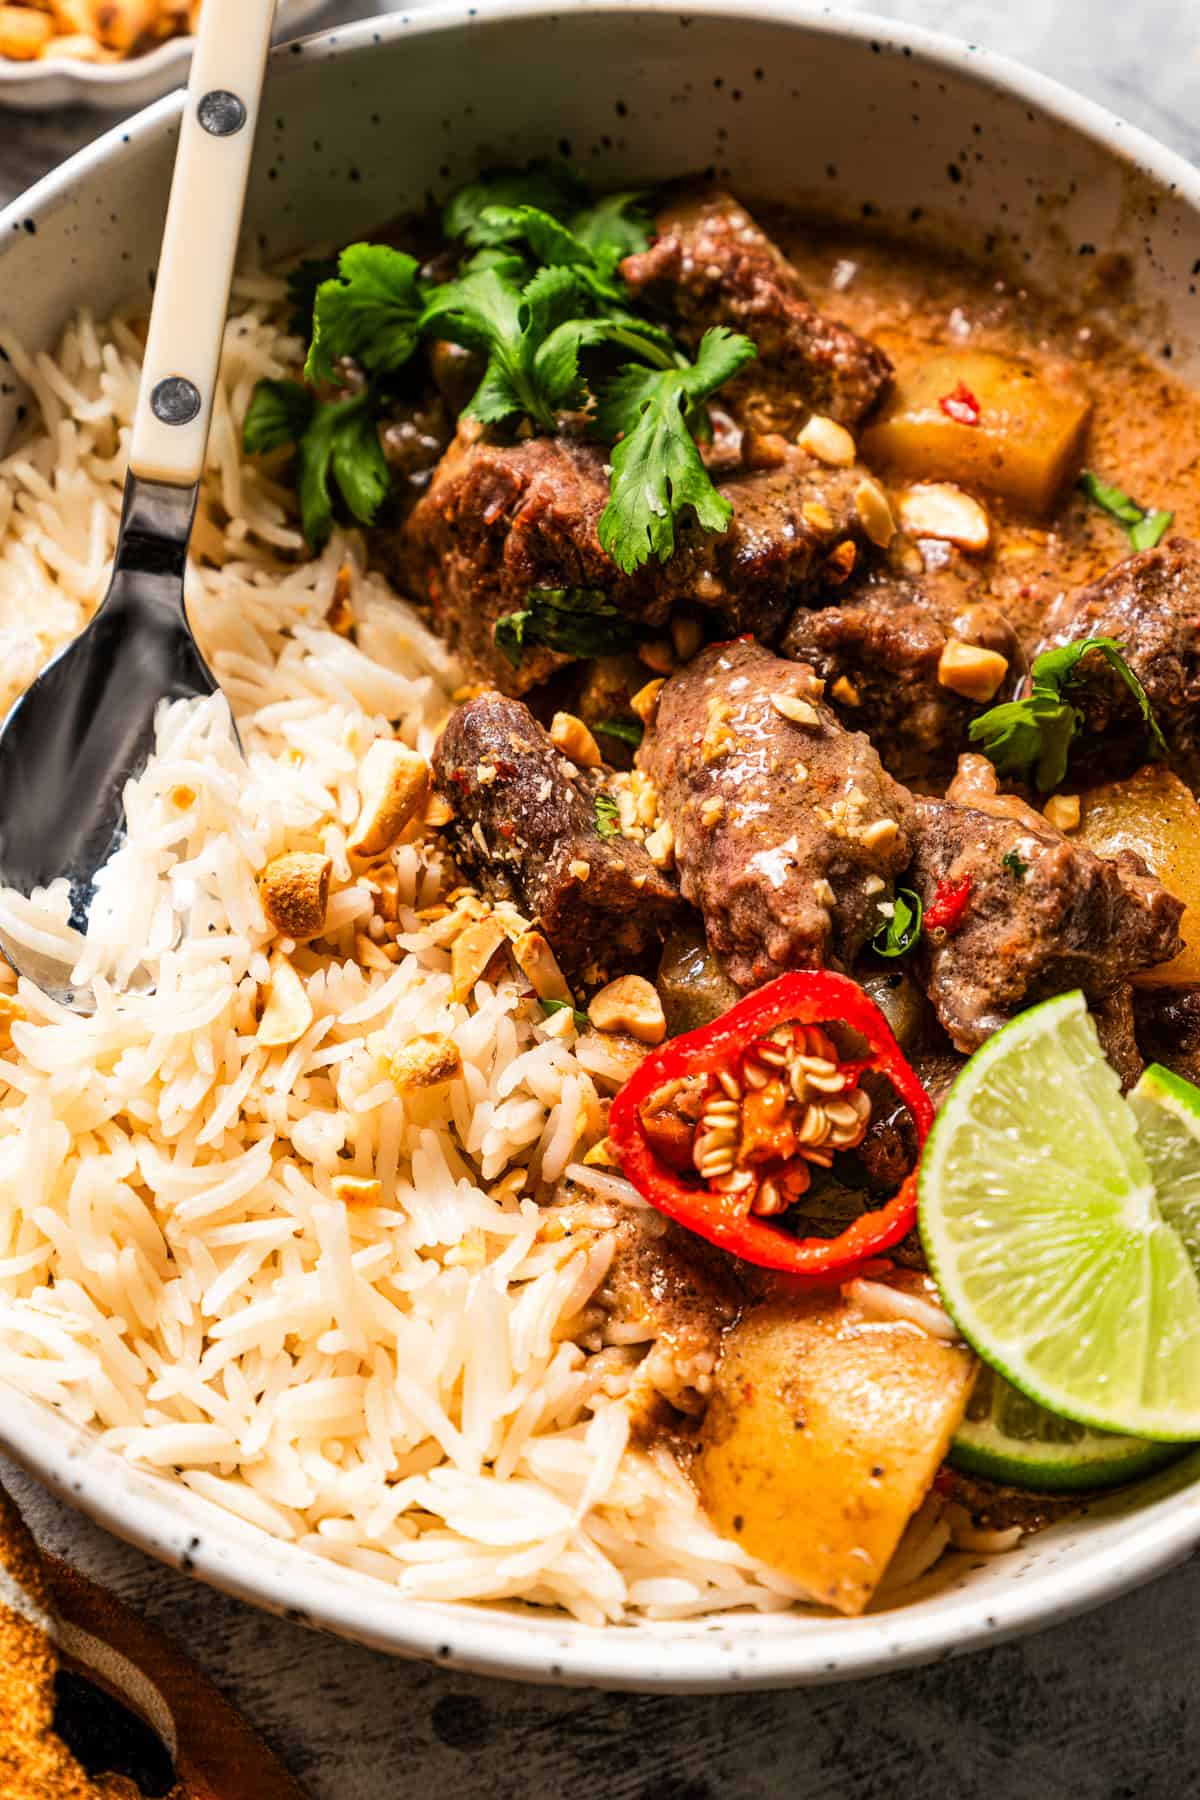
{"x": 1031, "y": 738}
{"x": 1146, "y": 527}
{"x": 626, "y": 731}
{"x": 578, "y": 622}
{"x": 901, "y": 927}
{"x": 337, "y": 443}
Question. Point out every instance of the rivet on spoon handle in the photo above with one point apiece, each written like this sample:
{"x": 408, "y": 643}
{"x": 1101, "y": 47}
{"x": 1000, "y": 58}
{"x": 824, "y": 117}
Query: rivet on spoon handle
{"x": 195, "y": 270}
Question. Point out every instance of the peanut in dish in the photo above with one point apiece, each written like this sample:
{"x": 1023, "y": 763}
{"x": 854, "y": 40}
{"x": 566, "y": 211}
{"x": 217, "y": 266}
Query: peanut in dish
{"x": 96, "y": 31}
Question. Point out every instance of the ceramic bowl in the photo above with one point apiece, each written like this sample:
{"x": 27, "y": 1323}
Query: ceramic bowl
{"x": 65, "y": 81}
{"x": 779, "y": 100}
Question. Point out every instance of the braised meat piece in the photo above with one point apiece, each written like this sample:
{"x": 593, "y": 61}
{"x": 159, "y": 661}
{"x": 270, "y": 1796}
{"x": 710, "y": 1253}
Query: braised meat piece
{"x": 710, "y": 264}
{"x": 1167, "y": 1021}
{"x": 1116, "y": 1027}
{"x": 880, "y": 652}
{"x": 1032, "y": 914}
{"x": 502, "y": 521}
{"x": 668, "y": 1289}
{"x": 788, "y": 831}
{"x": 525, "y": 828}
{"x": 1150, "y": 604}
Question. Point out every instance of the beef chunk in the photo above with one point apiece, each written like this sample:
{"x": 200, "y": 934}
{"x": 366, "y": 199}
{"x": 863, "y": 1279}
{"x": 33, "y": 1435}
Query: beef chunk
{"x": 787, "y": 833}
{"x": 525, "y": 828}
{"x": 1167, "y": 1020}
{"x": 502, "y": 520}
{"x": 1150, "y": 604}
{"x": 670, "y": 1290}
{"x": 1043, "y": 914}
{"x": 1116, "y": 1028}
{"x": 879, "y": 649}
{"x": 710, "y": 264}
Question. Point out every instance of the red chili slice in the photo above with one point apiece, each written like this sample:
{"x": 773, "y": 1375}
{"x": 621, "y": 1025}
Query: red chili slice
{"x": 961, "y": 405}
{"x": 807, "y": 997}
{"x": 945, "y": 911}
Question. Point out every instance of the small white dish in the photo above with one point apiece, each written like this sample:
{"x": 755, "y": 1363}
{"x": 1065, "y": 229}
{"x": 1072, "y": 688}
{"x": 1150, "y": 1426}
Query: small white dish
{"x": 66, "y": 81}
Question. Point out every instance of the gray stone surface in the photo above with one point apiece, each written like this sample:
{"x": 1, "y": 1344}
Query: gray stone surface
{"x": 1103, "y": 1707}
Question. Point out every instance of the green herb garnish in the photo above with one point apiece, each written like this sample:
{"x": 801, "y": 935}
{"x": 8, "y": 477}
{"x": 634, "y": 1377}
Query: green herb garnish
{"x": 1031, "y": 738}
{"x": 551, "y": 185}
{"x": 1146, "y": 528}
{"x": 607, "y": 816}
{"x": 629, "y": 731}
{"x": 657, "y": 468}
{"x": 1015, "y": 866}
{"x": 577, "y": 622}
{"x": 369, "y": 311}
{"x": 338, "y": 442}
{"x": 902, "y": 927}
{"x": 557, "y": 1006}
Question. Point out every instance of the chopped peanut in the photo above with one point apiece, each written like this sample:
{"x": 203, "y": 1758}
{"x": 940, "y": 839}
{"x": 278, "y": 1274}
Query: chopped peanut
{"x": 844, "y": 690}
{"x": 472, "y": 952}
{"x": 874, "y": 513}
{"x": 24, "y": 35}
{"x": 970, "y": 670}
{"x": 881, "y": 834}
{"x": 288, "y": 1012}
{"x": 660, "y": 846}
{"x": 424, "y": 1062}
{"x": 816, "y": 515}
{"x": 1062, "y": 810}
{"x": 438, "y": 812}
{"x": 294, "y": 890}
{"x": 645, "y": 702}
{"x": 631, "y": 1004}
{"x": 395, "y": 787}
{"x": 538, "y": 963}
{"x": 793, "y": 708}
{"x": 828, "y": 441}
{"x": 939, "y": 509}
{"x": 579, "y": 868}
{"x": 357, "y": 1190}
{"x": 570, "y": 735}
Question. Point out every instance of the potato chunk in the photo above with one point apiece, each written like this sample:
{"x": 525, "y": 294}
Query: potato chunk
{"x": 1026, "y": 441}
{"x": 824, "y": 1432}
{"x": 1154, "y": 813}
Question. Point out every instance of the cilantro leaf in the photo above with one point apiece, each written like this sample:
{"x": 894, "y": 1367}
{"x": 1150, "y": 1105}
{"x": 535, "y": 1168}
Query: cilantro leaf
{"x": 1016, "y": 865}
{"x": 557, "y": 1006}
{"x": 626, "y": 731}
{"x": 341, "y": 444}
{"x": 593, "y": 257}
{"x": 369, "y": 311}
{"x": 551, "y": 185}
{"x": 607, "y": 815}
{"x": 902, "y": 928}
{"x": 613, "y": 228}
{"x": 577, "y": 622}
{"x": 1145, "y": 528}
{"x": 302, "y": 284}
{"x": 279, "y": 413}
{"x": 1033, "y": 736}
{"x": 657, "y": 469}
{"x": 488, "y": 312}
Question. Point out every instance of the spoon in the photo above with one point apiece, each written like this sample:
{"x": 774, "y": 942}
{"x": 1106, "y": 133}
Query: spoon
{"x": 86, "y": 726}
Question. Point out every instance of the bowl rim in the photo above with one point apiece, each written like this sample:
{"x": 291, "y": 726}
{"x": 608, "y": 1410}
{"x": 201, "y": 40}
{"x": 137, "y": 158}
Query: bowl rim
{"x": 705, "y": 1655}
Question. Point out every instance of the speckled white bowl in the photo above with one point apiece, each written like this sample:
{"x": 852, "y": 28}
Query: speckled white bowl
{"x": 778, "y": 98}
{"x": 66, "y": 81}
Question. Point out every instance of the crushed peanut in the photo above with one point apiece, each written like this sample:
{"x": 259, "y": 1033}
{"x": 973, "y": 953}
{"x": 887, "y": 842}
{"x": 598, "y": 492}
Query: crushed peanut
{"x": 1062, "y": 810}
{"x": 472, "y": 952}
{"x": 395, "y": 787}
{"x": 660, "y": 846}
{"x": 88, "y": 31}
{"x": 357, "y": 1190}
{"x": 423, "y": 1062}
{"x": 798, "y": 711}
{"x": 874, "y": 513}
{"x": 881, "y": 834}
{"x": 630, "y": 1004}
{"x": 539, "y": 965}
{"x": 288, "y": 1012}
{"x": 719, "y": 737}
{"x": 645, "y": 702}
{"x": 294, "y": 889}
{"x": 970, "y": 670}
{"x": 939, "y": 509}
{"x": 844, "y": 690}
{"x": 579, "y": 869}
{"x": 438, "y": 812}
{"x": 828, "y": 441}
{"x": 817, "y": 516}
{"x": 570, "y": 735}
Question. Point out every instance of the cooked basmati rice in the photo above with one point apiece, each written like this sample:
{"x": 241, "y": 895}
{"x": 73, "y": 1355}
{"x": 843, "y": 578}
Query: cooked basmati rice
{"x": 417, "y": 1389}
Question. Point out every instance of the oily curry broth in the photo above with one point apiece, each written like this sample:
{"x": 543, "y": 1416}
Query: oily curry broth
{"x": 1145, "y": 429}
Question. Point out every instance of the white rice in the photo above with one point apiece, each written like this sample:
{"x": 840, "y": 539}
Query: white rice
{"x": 396, "y": 1388}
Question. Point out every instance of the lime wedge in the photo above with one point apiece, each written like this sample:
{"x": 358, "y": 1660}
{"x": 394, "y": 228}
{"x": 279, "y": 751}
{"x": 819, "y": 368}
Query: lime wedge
{"x": 1042, "y": 1223}
{"x": 1008, "y": 1437}
{"x": 1167, "y": 1112}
